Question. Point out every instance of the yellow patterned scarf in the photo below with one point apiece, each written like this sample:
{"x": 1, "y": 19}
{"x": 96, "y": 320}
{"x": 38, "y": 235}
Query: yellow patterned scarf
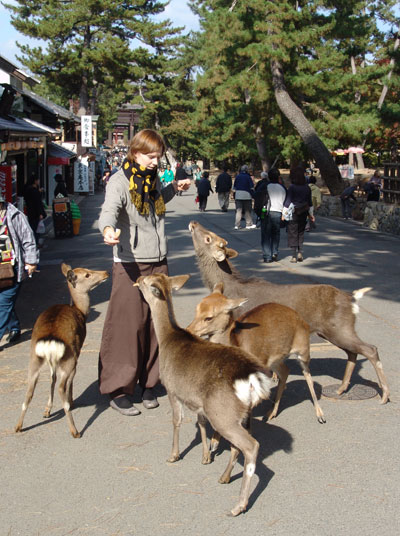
{"x": 143, "y": 188}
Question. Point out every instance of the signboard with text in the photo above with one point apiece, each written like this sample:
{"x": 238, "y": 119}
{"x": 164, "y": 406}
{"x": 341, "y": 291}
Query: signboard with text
{"x": 86, "y": 131}
{"x": 81, "y": 176}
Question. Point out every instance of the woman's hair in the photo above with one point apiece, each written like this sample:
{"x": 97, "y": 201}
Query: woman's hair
{"x": 206, "y": 174}
{"x": 146, "y": 141}
{"x": 273, "y": 175}
{"x": 297, "y": 175}
{"x": 312, "y": 180}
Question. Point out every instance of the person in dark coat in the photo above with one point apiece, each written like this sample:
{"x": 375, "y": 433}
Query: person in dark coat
{"x": 203, "y": 190}
{"x": 60, "y": 187}
{"x": 223, "y": 188}
{"x": 299, "y": 196}
{"x": 34, "y": 204}
{"x": 180, "y": 175}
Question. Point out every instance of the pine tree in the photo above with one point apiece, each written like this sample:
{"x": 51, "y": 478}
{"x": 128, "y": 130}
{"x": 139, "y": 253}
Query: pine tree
{"x": 89, "y": 52}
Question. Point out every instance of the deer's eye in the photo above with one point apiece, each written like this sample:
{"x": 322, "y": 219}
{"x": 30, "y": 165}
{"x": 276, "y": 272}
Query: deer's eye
{"x": 208, "y": 318}
{"x": 87, "y": 275}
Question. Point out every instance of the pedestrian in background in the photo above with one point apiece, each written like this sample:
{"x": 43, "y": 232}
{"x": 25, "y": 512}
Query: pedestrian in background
{"x": 316, "y": 199}
{"x": 223, "y": 187}
{"x": 132, "y": 220}
{"x": 34, "y": 205}
{"x": 373, "y": 187}
{"x": 271, "y": 223}
{"x": 180, "y": 174}
{"x": 18, "y": 251}
{"x": 61, "y": 187}
{"x": 347, "y": 199}
{"x": 168, "y": 176}
{"x": 244, "y": 192}
{"x": 299, "y": 197}
{"x": 203, "y": 190}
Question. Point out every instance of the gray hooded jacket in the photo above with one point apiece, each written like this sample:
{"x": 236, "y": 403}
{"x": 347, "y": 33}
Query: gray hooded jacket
{"x": 142, "y": 237}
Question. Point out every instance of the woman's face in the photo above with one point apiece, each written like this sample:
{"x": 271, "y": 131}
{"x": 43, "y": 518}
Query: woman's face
{"x": 149, "y": 160}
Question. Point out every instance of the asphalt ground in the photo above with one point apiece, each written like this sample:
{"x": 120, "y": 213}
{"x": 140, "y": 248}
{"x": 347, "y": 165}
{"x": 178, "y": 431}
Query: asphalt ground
{"x": 338, "y": 478}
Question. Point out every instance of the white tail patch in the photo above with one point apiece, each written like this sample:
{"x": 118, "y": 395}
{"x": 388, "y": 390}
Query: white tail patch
{"x": 52, "y": 351}
{"x": 357, "y": 295}
{"x": 254, "y": 389}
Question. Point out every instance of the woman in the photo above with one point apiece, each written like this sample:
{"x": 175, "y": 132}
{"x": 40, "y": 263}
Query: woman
{"x": 18, "y": 249}
{"x": 373, "y": 187}
{"x": 34, "y": 204}
{"x": 244, "y": 193}
{"x": 132, "y": 221}
{"x": 298, "y": 195}
{"x": 167, "y": 176}
{"x": 203, "y": 191}
{"x": 60, "y": 187}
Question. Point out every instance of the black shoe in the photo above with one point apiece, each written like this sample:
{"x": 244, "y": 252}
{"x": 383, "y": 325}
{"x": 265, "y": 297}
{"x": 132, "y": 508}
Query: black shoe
{"x": 275, "y": 258}
{"x": 13, "y": 336}
{"x": 124, "y": 405}
{"x": 300, "y": 257}
{"x": 149, "y": 399}
{"x": 268, "y": 260}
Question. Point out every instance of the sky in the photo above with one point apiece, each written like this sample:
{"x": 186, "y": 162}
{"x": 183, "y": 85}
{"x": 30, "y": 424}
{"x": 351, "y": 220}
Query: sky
{"x": 177, "y": 11}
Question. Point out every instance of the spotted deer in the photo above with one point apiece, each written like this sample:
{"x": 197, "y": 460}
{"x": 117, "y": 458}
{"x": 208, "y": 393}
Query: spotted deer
{"x": 57, "y": 337}
{"x": 271, "y": 332}
{"x": 328, "y": 311}
{"x": 220, "y": 383}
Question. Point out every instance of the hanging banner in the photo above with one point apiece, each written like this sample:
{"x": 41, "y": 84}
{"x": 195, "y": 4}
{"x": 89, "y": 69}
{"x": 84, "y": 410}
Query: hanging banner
{"x": 81, "y": 176}
{"x": 86, "y": 131}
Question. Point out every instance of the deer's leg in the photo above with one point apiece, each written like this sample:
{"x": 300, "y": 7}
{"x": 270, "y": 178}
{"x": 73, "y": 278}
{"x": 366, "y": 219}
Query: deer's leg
{"x": 67, "y": 368}
{"x": 177, "y": 415}
{"x": 35, "y": 365}
{"x": 202, "y": 421}
{"x": 214, "y": 443}
{"x": 53, "y": 377}
{"x": 283, "y": 372}
{"x": 353, "y": 345}
{"x": 70, "y": 388}
{"x": 304, "y": 362}
{"x": 243, "y": 441}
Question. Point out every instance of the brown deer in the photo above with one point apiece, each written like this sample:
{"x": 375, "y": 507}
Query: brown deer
{"x": 219, "y": 383}
{"x": 57, "y": 337}
{"x": 271, "y": 332}
{"x": 328, "y": 311}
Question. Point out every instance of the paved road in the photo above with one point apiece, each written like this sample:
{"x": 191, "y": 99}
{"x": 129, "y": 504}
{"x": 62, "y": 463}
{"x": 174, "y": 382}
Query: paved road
{"x": 339, "y": 478}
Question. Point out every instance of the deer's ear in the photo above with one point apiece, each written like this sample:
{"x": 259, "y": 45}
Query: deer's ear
{"x": 231, "y": 305}
{"x": 178, "y": 281}
{"x": 231, "y": 253}
{"x": 65, "y": 268}
{"x": 219, "y": 287}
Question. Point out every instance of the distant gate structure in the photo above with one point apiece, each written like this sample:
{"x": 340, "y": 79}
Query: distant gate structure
{"x": 391, "y": 183}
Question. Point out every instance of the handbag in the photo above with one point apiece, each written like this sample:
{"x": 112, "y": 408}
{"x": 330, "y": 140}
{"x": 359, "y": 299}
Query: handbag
{"x": 6, "y": 275}
{"x": 41, "y": 229}
{"x": 301, "y": 209}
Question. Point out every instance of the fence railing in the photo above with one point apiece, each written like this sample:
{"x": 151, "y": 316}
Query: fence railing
{"x": 391, "y": 182}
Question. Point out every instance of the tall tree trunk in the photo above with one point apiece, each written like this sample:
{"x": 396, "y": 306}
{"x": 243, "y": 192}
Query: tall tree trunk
{"x": 262, "y": 148}
{"x": 329, "y": 170}
{"x": 83, "y": 93}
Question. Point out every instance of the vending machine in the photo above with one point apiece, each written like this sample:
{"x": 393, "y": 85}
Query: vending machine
{"x": 8, "y": 183}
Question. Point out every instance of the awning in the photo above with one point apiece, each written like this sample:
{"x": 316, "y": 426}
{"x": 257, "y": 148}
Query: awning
{"x": 58, "y": 155}
{"x": 14, "y": 125}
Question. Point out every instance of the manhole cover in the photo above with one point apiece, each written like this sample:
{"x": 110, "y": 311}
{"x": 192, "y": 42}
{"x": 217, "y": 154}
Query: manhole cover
{"x": 355, "y": 392}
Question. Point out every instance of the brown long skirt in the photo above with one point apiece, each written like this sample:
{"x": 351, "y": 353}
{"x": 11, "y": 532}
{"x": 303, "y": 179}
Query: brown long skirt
{"x": 129, "y": 347}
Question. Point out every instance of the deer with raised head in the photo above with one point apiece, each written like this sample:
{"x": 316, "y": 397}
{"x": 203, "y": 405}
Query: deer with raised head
{"x": 220, "y": 383}
{"x": 271, "y": 332}
{"x": 329, "y": 312}
{"x": 57, "y": 337}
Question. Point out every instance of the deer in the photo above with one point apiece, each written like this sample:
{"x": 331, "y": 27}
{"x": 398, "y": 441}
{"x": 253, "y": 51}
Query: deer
{"x": 57, "y": 337}
{"x": 329, "y": 311}
{"x": 271, "y": 332}
{"x": 220, "y": 383}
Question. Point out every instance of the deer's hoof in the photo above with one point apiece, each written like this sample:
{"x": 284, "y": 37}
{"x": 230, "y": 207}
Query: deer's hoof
{"x": 173, "y": 459}
{"x": 46, "y": 414}
{"x": 321, "y": 420}
{"x": 76, "y": 434}
{"x": 237, "y": 510}
{"x": 206, "y": 459}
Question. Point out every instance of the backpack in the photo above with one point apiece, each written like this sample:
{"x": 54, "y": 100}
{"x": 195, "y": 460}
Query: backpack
{"x": 261, "y": 198}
